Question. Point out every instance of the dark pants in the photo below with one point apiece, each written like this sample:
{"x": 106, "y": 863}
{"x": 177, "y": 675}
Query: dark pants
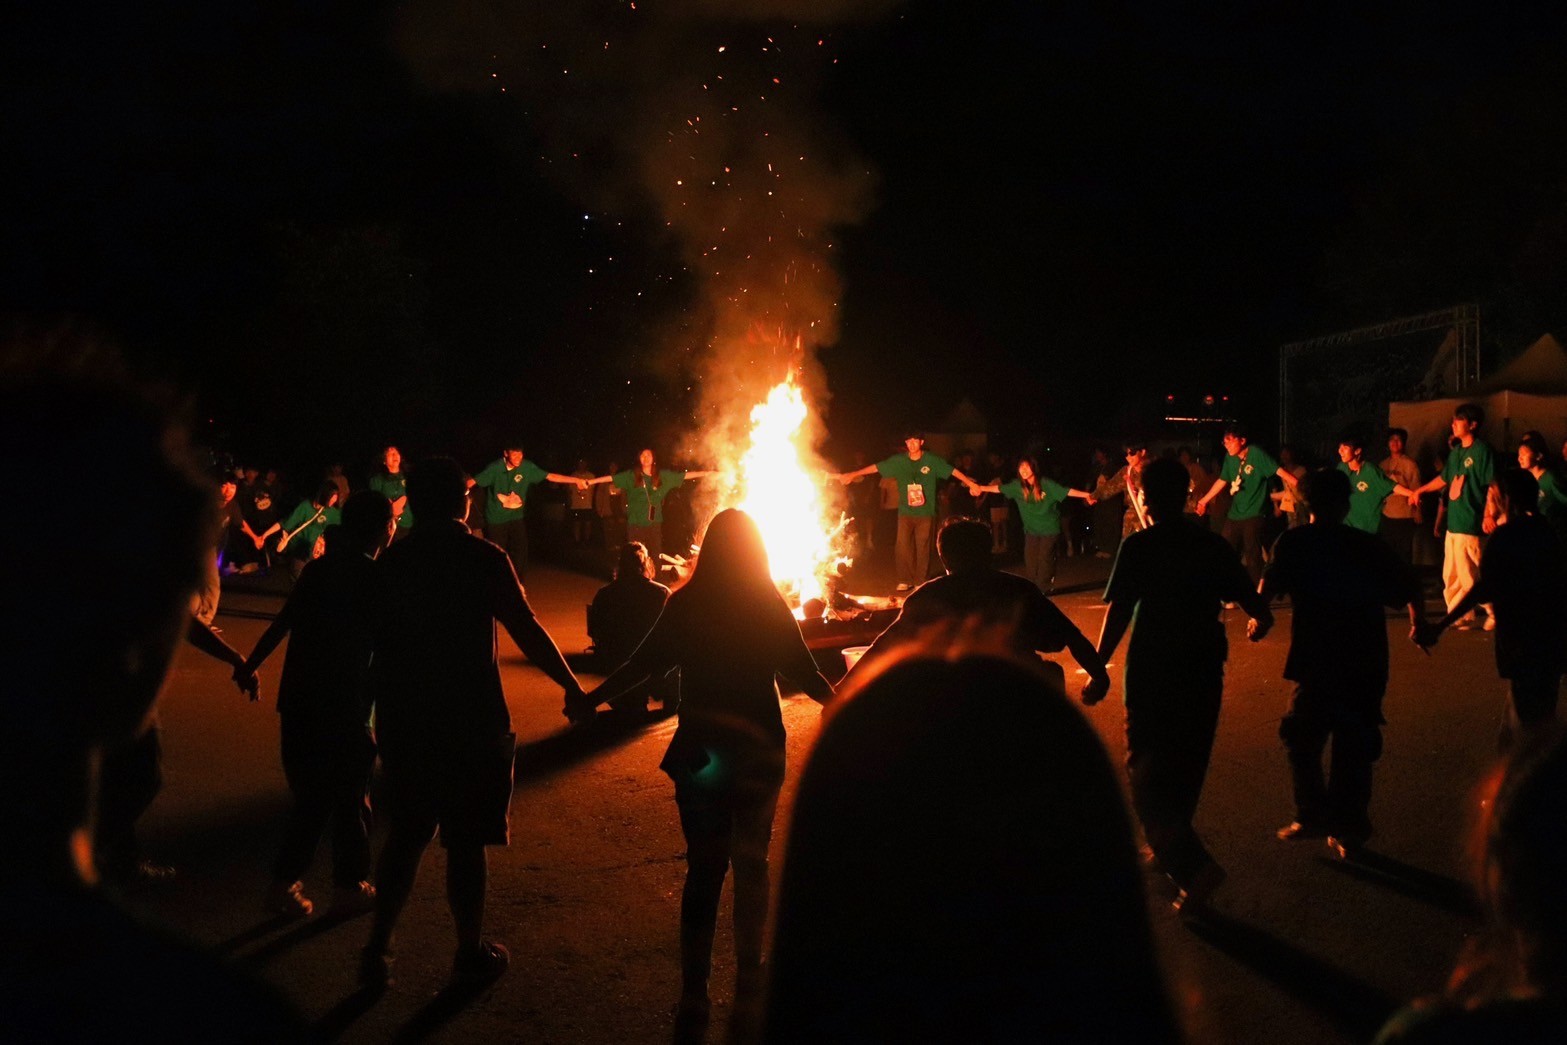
{"x": 511, "y": 535}
{"x": 1400, "y": 536}
{"x": 912, "y": 555}
{"x": 1039, "y": 559}
{"x": 726, "y": 823}
{"x": 1350, "y": 715}
{"x": 1531, "y": 704}
{"x": 329, "y": 776}
{"x": 1245, "y": 536}
{"x": 1168, "y": 742}
{"x": 129, "y": 778}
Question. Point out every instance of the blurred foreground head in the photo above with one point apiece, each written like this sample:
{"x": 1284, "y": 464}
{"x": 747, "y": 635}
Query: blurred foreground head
{"x": 960, "y": 867}
{"x": 92, "y": 600}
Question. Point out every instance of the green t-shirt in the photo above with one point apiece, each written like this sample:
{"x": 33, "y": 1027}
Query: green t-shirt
{"x": 916, "y": 481}
{"x": 644, "y": 501}
{"x": 1553, "y": 499}
{"x": 499, "y": 479}
{"x": 392, "y": 487}
{"x": 1248, "y": 479}
{"x": 1475, "y": 465}
{"x": 301, "y": 544}
{"x": 1041, "y": 518}
{"x": 1368, "y": 488}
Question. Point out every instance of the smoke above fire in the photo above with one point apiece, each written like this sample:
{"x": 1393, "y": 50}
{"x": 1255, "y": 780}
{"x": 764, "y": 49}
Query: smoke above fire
{"x": 707, "y": 115}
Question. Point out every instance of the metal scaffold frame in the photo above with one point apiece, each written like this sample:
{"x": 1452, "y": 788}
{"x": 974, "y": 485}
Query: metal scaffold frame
{"x": 1465, "y": 319}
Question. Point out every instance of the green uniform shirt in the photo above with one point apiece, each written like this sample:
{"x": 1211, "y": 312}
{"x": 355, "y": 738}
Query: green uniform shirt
{"x": 1248, "y": 478}
{"x": 499, "y": 479}
{"x": 644, "y": 501}
{"x": 916, "y": 481}
{"x": 301, "y": 544}
{"x": 1468, "y": 472}
{"x": 1368, "y": 488}
{"x": 1553, "y": 499}
{"x": 1041, "y": 518}
{"x": 392, "y": 487}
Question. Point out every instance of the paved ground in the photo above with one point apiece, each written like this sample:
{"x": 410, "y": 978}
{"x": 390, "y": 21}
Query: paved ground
{"x": 1305, "y": 949}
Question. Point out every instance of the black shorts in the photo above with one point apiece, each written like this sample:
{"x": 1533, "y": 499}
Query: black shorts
{"x": 465, "y": 792}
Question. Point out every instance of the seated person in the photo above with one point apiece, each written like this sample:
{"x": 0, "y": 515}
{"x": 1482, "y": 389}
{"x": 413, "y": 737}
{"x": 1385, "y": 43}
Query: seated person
{"x": 623, "y": 612}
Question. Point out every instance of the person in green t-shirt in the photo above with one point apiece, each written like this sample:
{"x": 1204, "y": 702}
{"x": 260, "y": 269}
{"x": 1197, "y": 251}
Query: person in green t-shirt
{"x": 917, "y": 474}
{"x": 391, "y": 484}
{"x": 645, "y": 487}
{"x": 1368, "y": 485}
{"x": 1534, "y": 458}
{"x": 1465, "y": 478}
{"x": 1246, "y": 472}
{"x": 305, "y": 525}
{"x": 506, "y": 483}
{"x": 1039, "y": 502}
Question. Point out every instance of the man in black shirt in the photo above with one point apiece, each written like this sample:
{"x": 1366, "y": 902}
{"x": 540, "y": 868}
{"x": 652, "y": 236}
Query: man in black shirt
{"x": 974, "y": 589}
{"x": 1338, "y": 579}
{"x": 442, "y": 722}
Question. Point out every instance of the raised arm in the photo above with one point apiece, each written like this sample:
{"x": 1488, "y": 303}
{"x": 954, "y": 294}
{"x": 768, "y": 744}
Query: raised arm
{"x": 848, "y": 477}
{"x": 1084, "y": 495}
{"x": 702, "y": 474}
{"x": 1289, "y": 480}
{"x": 568, "y": 480}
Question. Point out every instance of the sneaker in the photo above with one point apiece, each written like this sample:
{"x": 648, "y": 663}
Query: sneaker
{"x": 485, "y": 963}
{"x": 287, "y": 898}
{"x": 375, "y": 968}
{"x": 353, "y": 899}
{"x": 1490, "y": 623}
{"x": 1300, "y": 832}
{"x": 1193, "y": 901}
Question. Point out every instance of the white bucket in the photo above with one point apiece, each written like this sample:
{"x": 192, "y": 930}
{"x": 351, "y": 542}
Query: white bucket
{"x": 852, "y": 655}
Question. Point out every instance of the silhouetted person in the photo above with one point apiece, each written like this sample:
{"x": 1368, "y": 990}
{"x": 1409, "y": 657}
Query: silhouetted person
{"x": 441, "y": 718}
{"x": 1338, "y": 578}
{"x": 960, "y": 867}
{"x": 323, "y": 706}
{"x": 1523, "y": 575}
{"x": 1173, "y": 578}
{"x": 621, "y": 615}
{"x": 730, "y": 633}
{"x": 83, "y": 677}
{"x": 1510, "y": 984}
{"x": 973, "y": 588}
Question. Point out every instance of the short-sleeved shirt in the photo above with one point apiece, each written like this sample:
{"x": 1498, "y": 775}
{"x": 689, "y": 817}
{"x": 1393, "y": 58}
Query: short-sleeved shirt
{"x": 917, "y": 481}
{"x": 644, "y": 500}
{"x": 1553, "y": 500}
{"x": 301, "y": 544}
{"x": 1368, "y": 488}
{"x": 1248, "y": 478}
{"x": 499, "y": 479}
{"x": 1177, "y": 575}
{"x": 259, "y": 505}
{"x": 1338, "y": 579}
{"x": 1406, "y": 473}
{"x": 1041, "y": 517}
{"x": 392, "y": 486}
{"x": 1468, "y": 472}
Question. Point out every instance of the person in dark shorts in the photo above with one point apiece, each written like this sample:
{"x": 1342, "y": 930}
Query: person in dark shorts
{"x": 1523, "y": 574}
{"x": 323, "y": 705}
{"x": 731, "y": 634}
{"x": 1172, "y": 579}
{"x": 975, "y": 591}
{"x": 442, "y": 722}
{"x": 1338, "y": 578}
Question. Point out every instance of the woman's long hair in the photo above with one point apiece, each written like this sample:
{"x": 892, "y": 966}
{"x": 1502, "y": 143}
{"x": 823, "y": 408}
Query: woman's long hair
{"x": 1032, "y": 491}
{"x": 733, "y": 561}
{"x": 653, "y": 481}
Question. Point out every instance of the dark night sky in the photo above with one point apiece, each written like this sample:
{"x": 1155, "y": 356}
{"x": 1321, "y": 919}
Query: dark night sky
{"x": 338, "y": 230}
